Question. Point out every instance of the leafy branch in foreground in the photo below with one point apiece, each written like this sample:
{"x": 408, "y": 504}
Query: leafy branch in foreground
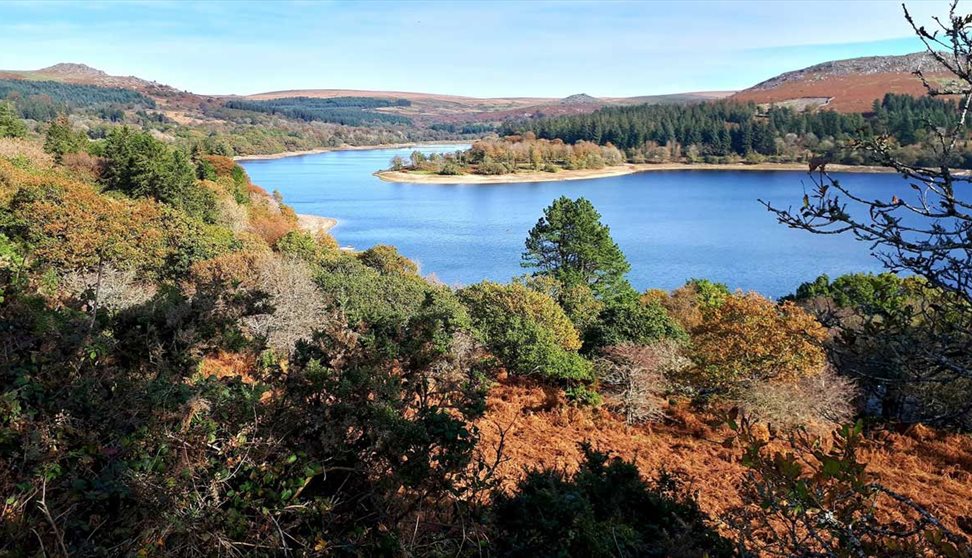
{"x": 816, "y": 499}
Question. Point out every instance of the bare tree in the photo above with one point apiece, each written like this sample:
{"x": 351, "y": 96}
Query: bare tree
{"x": 635, "y": 378}
{"x": 295, "y": 305}
{"x": 925, "y": 226}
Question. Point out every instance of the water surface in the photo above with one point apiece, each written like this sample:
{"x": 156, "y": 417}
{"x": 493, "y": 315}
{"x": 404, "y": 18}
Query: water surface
{"x": 672, "y": 225}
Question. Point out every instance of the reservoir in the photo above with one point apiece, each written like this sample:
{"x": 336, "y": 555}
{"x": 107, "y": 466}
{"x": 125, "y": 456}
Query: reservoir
{"x": 671, "y": 225}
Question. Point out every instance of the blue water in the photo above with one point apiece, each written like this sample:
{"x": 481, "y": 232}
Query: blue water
{"x": 672, "y": 225}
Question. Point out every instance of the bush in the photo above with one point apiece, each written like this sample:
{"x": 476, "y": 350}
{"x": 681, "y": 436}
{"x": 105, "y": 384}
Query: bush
{"x": 635, "y": 378}
{"x": 293, "y": 307}
{"x": 527, "y": 330}
{"x": 750, "y": 339}
{"x": 304, "y": 246}
{"x": 630, "y": 321}
{"x": 376, "y": 304}
{"x": 386, "y": 259}
{"x": 605, "y": 509}
{"x": 817, "y": 402}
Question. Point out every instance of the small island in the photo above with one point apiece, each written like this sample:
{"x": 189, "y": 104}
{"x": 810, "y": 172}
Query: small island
{"x": 524, "y": 158}
{"x": 515, "y": 158}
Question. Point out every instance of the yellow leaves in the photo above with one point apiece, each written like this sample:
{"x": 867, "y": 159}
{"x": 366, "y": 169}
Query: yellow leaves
{"x": 752, "y": 338}
{"x": 75, "y": 227}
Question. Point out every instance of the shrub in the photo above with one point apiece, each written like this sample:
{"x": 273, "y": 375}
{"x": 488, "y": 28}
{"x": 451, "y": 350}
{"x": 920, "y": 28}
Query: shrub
{"x": 635, "y": 378}
{"x": 605, "y": 509}
{"x": 378, "y": 305}
{"x": 25, "y": 153}
{"x": 751, "y": 339}
{"x": 84, "y": 163}
{"x": 307, "y": 247}
{"x": 108, "y": 289}
{"x": 293, "y": 307}
{"x": 687, "y": 303}
{"x": 386, "y": 259}
{"x": 527, "y": 330}
{"x": 630, "y": 321}
{"x": 817, "y": 402}
{"x": 73, "y": 227}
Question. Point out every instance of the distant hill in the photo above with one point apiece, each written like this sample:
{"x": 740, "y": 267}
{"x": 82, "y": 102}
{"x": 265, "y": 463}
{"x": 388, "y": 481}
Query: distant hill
{"x": 83, "y": 74}
{"x": 846, "y": 85}
{"x": 436, "y": 108}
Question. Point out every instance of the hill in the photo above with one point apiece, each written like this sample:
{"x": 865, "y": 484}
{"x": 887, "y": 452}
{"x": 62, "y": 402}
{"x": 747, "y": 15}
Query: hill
{"x": 437, "y": 108}
{"x": 846, "y": 86}
{"x": 83, "y": 74}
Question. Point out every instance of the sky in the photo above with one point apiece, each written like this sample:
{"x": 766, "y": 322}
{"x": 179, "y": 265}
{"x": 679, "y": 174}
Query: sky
{"x": 473, "y": 48}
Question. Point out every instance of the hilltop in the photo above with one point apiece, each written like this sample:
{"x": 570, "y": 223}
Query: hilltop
{"x": 849, "y": 85}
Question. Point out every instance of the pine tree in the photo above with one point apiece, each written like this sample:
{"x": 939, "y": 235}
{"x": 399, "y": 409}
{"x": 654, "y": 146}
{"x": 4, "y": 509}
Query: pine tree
{"x": 570, "y": 244}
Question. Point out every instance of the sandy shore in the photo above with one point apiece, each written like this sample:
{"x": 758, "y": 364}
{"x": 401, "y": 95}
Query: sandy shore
{"x": 345, "y": 148}
{"x": 619, "y": 170}
{"x": 314, "y": 223}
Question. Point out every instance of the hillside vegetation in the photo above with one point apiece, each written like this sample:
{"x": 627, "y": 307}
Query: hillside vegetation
{"x": 727, "y": 131}
{"x": 187, "y": 372}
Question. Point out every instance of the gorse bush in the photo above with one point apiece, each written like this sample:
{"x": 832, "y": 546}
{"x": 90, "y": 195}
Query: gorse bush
{"x": 631, "y": 321}
{"x": 527, "y": 331}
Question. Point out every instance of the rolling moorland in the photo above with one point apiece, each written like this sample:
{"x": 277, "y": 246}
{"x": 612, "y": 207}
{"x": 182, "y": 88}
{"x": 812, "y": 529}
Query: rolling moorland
{"x": 187, "y": 369}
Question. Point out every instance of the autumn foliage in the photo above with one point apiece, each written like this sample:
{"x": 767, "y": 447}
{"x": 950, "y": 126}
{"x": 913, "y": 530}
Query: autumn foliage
{"x": 749, "y": 338}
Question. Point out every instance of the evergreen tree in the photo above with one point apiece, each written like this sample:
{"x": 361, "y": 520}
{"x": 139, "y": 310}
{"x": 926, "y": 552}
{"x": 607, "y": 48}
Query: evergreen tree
{"x": 570, "y": 244}
{"x": 11, "y": 126}
{"x": 140, "y": 165}
{"x": 62, "y": 139}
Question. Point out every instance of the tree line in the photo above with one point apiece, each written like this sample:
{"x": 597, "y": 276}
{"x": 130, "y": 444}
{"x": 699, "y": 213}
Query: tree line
{"x": 725, "y": 130}
{"x": 350, "y": 111}
{"x": 42, "y": 100}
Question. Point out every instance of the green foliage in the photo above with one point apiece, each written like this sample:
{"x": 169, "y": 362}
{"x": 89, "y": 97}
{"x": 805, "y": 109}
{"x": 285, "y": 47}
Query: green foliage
{"x": 378, "y": 304}
{"x": 349, "y": 111}
{"x": 140, "y": 165}
{"x": 12, "y": 266}
{"x": 302, "y": 245}
{"x": 386, "y": 260}
{"x": 527, "y": 331}
{"x": 883, "y": 293}
{"x": 728, "y": 129}
{"x": 708, "y": 293}
{"x": 605, "y": 509}
{"x": 11, "y": 126}
{"x": 631, "y": 321}
{"x": 570, "y": 244}
{"x": 61, "y": 96}
{"x": 890, "y": 336}
{"x": 62, "y": 139}
{"x": 191, "y": 240}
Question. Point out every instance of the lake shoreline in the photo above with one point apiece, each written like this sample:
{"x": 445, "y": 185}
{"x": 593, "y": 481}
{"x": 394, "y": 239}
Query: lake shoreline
{"x": 606, "y": 172}
{"x": 318, "y": 151}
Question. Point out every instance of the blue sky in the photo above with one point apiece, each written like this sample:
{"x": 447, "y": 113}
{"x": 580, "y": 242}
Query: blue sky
{"x": 503, "y": 48}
